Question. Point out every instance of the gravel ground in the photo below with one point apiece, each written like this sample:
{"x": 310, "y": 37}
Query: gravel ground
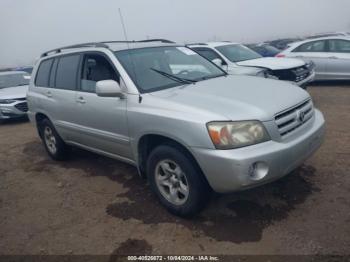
{"x": 95, "y": 205}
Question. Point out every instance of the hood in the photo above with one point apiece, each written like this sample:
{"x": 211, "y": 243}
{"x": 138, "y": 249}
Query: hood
{"x": 13, "y": 92}
{"x": 273, "y": 63}
{"x": 230, "y": 98}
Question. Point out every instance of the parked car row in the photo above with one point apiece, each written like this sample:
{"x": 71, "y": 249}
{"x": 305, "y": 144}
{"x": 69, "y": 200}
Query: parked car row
{"x": 187, "y": 125}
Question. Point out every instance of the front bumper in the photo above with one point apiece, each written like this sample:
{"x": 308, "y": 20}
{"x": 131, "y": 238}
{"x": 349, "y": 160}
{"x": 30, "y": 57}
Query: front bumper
{"x": 14, "y": 110}
{"x": 230, "y": 170}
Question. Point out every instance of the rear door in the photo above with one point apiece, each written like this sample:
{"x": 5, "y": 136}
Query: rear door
{"x": 338, "y": 66}
{"x": 61, "y": 95}
{"x": 316, "y": 52}
{"x": 102, "y": 120}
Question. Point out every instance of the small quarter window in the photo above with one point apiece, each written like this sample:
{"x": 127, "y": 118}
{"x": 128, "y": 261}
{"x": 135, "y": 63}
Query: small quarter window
{"x": 42, "y": 77}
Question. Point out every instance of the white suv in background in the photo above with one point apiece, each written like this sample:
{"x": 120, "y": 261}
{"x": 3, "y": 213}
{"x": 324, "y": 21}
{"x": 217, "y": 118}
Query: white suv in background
{"x": 239, "y": 59}
{"x": 331, "y": 56}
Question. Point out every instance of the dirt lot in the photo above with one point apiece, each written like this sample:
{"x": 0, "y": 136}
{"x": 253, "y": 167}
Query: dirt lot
{"x": 95, "y": 205}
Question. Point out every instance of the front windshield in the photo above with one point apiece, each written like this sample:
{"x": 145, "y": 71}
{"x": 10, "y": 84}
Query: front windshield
{"x": 238, "y": 53}
{"x": 157, "y": 68}
{"x": 14, "y": 79}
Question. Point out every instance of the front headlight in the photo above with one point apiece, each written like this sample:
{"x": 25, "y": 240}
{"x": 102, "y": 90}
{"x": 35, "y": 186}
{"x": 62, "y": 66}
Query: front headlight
{"x": 262, "y": 73}
{"x": 229, "y": 135}
{"x": 310, "y": 65}
{"x": 7, "y": 101}
{"x": 266, "y": 74}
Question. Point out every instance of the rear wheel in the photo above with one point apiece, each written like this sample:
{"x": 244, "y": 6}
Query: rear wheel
{"x": 177, "y": 181}
{"x": 54, "y": 145}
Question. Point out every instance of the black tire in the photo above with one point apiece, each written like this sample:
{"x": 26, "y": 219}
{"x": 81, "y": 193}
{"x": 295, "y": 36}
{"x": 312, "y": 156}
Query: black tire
{"x": 62, "y": 151}
{"x": 198, "y": 189}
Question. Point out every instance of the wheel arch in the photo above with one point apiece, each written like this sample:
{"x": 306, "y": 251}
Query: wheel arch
{"x": 148, "y": 142}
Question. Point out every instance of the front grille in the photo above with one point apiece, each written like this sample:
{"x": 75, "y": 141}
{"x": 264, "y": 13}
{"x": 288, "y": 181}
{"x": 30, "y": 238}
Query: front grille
{"x": 296, "y": 74}
{"x": 22, "y": 106}
{"x": 293, "y": 118}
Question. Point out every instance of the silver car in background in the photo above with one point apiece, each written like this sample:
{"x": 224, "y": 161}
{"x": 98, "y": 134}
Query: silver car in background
{"x": 13, "y": 92}
{"x": 184, "y": 123}
{"x": 331, "y": 56}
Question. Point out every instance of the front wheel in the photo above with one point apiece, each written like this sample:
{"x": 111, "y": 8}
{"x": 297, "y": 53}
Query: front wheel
{"x": 177, "y": 181}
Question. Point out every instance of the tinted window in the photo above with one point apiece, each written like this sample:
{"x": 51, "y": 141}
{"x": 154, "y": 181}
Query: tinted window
{"x": 66, "y": 74}
{"x": 96, "y": 68}
{"x": 42, "y": 77}
{"x": 339, "y": 46}
{"x": 317, "y": 46}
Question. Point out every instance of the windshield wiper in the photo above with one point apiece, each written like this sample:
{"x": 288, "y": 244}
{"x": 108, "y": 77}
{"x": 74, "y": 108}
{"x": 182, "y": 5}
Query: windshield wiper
{"x": 175, "y": 78}
{"x": 210, "y": 77}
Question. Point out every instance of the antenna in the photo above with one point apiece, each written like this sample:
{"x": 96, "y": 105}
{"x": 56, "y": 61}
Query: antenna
{"x": 127, "y": 43}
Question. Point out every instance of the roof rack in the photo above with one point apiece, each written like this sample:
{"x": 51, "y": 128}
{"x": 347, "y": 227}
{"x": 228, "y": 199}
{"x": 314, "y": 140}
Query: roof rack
{"x": 102, "y": 44}
{"x": 157, "y": 40}
{"x": 196, "y": 44}
{"x": 59, "y": 50}
{"x": 142, "y": 41}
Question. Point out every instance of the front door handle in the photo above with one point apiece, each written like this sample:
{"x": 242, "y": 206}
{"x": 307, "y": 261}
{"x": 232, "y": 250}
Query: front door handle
{"x": 81, "y": 100}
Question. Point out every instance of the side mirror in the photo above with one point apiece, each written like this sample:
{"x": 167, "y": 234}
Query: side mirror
{"x": 109, "y": 88}
{"x": 217, "y": 61}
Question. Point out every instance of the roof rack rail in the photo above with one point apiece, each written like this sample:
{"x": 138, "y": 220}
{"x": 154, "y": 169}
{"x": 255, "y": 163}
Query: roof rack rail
{"x": 142, "y": 41}
{"x": 59, "y": 50}
{"x": 102, "y": 44}
{"x": 157, "y": 40}
{"x": 196, "y": 44}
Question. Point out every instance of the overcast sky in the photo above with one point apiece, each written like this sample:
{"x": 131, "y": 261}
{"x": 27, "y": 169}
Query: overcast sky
{"x": 30, "y": 27}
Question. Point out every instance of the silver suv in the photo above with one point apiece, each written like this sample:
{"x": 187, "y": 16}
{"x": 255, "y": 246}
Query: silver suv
{"x": 182, "y": 121}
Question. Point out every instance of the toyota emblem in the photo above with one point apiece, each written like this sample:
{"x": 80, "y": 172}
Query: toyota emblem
{"x": 301, "y": 116}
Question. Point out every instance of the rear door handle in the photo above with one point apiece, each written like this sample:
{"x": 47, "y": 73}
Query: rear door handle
{"x": 48, "y": 94}
{"x": 81, "y": 100}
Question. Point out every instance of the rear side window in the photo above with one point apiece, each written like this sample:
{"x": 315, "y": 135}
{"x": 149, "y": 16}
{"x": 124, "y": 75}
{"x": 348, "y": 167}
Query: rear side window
{"x": 66, "y": 73}
{"x": 339, "y": 46}
{"x": 316, "y": 46}
{"x": 43, "y": 75}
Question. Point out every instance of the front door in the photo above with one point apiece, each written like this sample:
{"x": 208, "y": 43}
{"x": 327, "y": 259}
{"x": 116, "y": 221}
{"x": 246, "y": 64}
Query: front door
{"x": 102, "y": 120}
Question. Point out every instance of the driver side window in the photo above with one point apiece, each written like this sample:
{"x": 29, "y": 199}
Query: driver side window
{"x": 96, "y": 68}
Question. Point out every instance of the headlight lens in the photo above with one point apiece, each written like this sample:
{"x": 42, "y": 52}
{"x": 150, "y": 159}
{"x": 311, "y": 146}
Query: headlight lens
{"x": 229, "y": 135}
{"x": 310, "y": 65}
{"x": 262, "y": 73}
{"x": 266, "y": 74}
{"x": 7, "y": 101}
